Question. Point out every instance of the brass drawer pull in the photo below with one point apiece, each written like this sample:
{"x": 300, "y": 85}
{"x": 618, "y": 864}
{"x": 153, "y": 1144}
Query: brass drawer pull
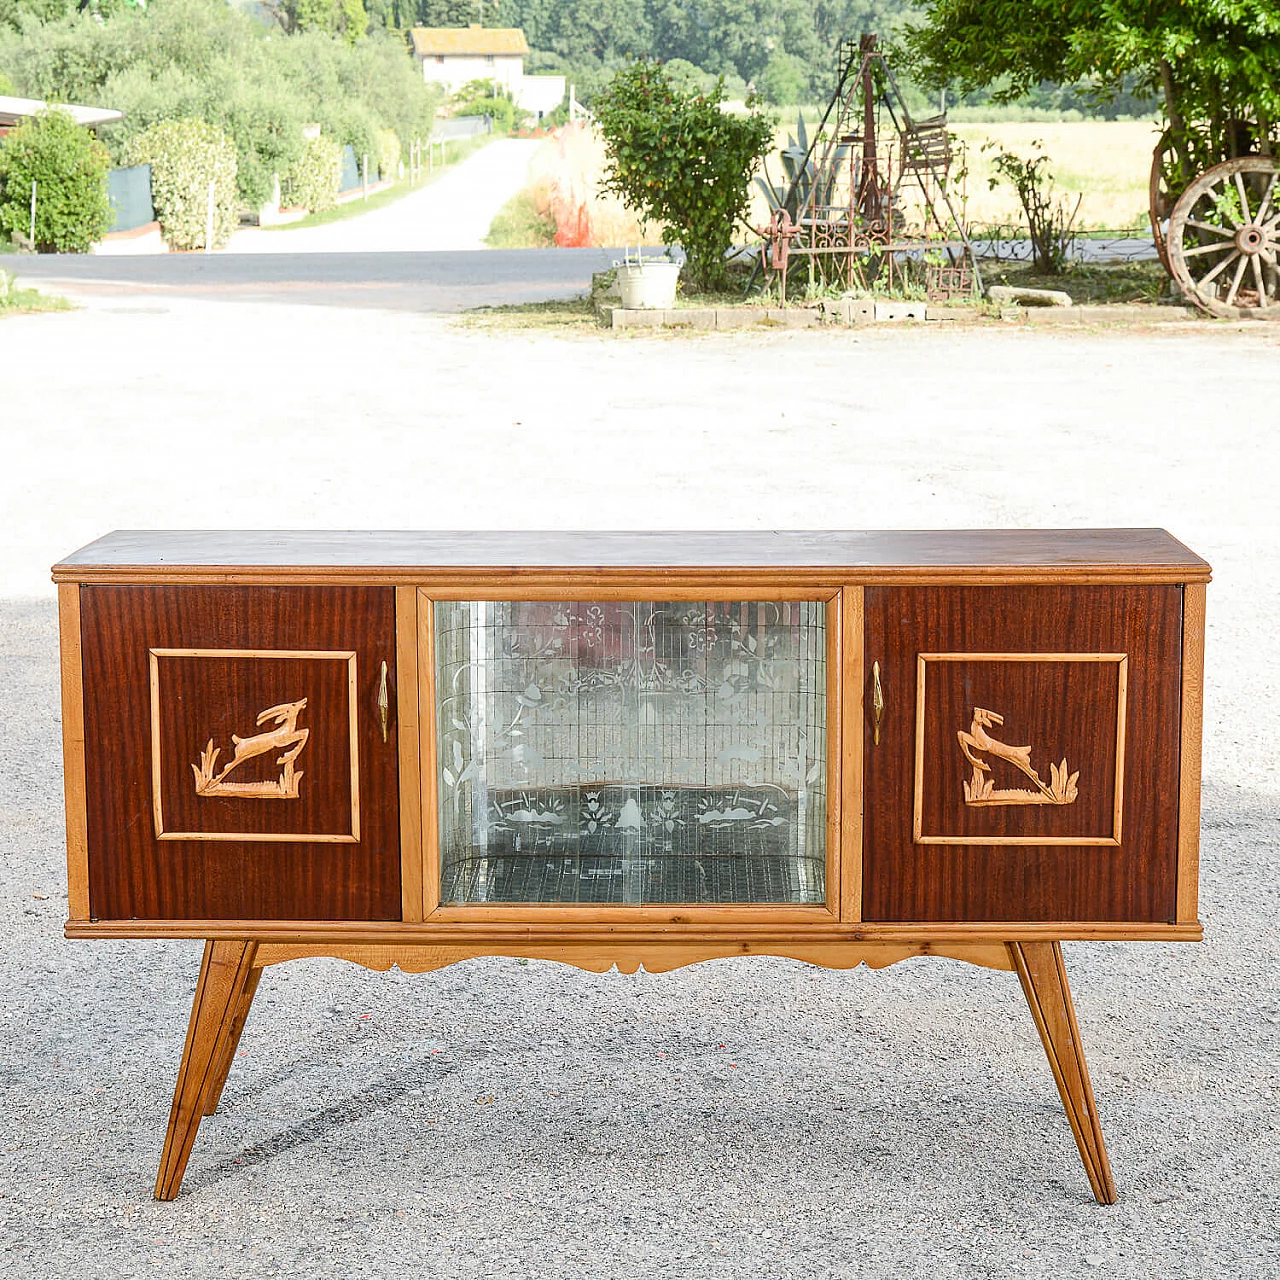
{"x": 383, "y": 703}
{"x": 877, "y": 702}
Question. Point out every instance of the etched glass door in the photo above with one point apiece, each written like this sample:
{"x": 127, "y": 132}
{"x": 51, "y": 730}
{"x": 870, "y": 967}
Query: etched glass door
{"x": 631, "y": 752}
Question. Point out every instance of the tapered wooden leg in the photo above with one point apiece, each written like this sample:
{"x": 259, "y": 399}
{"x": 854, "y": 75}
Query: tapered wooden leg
{"x": 225, "y": 973}
{"x": 218, "y": 1081}
{"x": 1044, "y": 983}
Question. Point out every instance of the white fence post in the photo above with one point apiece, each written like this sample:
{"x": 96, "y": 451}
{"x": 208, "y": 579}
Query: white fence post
{"x": 208, "y": 218}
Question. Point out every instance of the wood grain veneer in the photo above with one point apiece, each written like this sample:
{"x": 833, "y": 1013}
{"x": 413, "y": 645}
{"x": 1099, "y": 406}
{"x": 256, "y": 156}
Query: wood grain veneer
{"x": 472, "y": 559}
{"x": 1049, "y": 701}
{"x": 1134, "y": 881}
{"x": 1043, "y": 977}
{"x": 764, "y": 931}
{"x": 200, "y": 693}
{"x": 132, "y": 874}
{"x": 654, "y": 958}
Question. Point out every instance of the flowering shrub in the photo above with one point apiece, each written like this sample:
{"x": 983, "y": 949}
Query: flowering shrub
{"x": 312, "y": 181}
{"x": 185, "y": 156}
{"x": 69, "y": 167}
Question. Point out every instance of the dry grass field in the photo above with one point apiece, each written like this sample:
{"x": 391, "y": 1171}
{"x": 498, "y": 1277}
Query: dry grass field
{"x": 1105, "y": 163}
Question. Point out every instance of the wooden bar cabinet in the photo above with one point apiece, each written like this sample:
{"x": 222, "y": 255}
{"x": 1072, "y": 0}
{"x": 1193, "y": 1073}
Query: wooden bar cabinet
{"x": 631, "y": 749}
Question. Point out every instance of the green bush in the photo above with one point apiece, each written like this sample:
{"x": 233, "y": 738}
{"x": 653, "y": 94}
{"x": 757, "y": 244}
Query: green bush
{"x": 266, "y": 127}
{"x": 312, "y": 182}
{"x": 388, "y": 159}
{"x": 485, "y": 98}
{"x": 350, "y": 124}
{"x": 69, "y": 167}
{"x": 676, "y": 158}
{"x": 185, "y": 156}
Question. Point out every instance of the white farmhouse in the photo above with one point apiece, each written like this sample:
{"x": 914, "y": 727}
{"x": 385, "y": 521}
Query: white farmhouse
{"x": 454, "y": 56}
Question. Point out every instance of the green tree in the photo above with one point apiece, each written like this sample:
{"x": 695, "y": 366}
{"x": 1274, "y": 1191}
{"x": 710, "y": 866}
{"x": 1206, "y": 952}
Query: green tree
{"x": 204, "y": 59}
{"x": 1215, "y": 63}
{"x": 783, "y": 80}
{"x": 448, "y": 13}
{"x": 735, "y": 35}
{"x": 346, "y": 18}
{"x": 353, "y": 21}
{"x": 676, "y": 158}
{"x": 12, "y": 12}
{"x": 69, "y": 167}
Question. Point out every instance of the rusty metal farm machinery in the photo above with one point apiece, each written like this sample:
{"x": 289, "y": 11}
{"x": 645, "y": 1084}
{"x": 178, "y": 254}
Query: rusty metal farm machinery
{"x": 870, "y": 194}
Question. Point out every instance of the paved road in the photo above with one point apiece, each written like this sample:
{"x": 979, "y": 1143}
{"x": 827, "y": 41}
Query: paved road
{"x": 445, "y": 281}
{"x": 442, "y": 281}
{"x": 454, "y": 212}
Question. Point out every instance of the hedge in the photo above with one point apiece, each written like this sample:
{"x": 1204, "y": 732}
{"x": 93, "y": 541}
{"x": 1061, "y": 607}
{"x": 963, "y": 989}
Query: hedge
{"x": 312, "y": 181}
{"x": 388, "y": 157}
{"x": 185, "y": 156}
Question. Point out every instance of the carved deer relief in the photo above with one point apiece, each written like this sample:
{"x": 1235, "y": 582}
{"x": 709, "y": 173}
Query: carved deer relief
{"x": 285, "y": 737}
{"x": 981, "y": 789}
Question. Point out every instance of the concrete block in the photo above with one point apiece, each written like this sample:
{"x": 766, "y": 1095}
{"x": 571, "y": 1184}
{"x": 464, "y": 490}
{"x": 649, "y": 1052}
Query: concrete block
{"x": 737, "y": 317}
{"x": 1116, "y": 313}
{"x": 792, "y": 317}
{"x": 889, "y": 311}
{"x": 623, "y": 319}
{"x": 690, "y": 318}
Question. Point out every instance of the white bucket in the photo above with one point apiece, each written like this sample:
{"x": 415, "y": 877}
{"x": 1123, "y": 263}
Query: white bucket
{"x": 648, "y": 285}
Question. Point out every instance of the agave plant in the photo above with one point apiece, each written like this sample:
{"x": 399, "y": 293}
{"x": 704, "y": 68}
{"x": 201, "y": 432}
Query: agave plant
{"x": 806, "y": 186}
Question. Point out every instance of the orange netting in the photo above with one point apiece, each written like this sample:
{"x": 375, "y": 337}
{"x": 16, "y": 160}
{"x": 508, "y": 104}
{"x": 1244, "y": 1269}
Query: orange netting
{"x": 565, "y": 176}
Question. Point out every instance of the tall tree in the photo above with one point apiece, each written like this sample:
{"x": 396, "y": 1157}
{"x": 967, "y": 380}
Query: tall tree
{"x": 1215, "y": 63}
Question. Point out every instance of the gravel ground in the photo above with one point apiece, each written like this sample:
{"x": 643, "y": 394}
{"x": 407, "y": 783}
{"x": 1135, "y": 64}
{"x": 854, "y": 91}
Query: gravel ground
{"x": 738, "y": 1119}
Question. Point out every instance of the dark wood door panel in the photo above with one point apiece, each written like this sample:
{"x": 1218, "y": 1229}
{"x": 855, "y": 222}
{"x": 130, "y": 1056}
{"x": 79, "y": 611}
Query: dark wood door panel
{"x": 234, "y": 753}
{"x": 1027, "y": 767}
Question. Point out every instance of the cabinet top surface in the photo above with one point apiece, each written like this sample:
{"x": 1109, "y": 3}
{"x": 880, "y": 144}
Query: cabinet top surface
{"x": 178, "y": 553}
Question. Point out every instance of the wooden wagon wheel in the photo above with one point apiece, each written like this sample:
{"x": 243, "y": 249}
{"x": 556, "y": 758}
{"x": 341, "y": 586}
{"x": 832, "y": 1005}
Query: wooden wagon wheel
{"x": 1224, "y": 239}
{"x": 1168, "y": 164}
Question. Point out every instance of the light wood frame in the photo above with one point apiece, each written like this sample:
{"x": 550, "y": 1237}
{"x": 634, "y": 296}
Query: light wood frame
{"x": 1117, "y": 810}
{"x": 853, "y": 680}
{"x": 157, "y": 795}
{"x": 745, "y": 590}
{"x": 1193, "y": 624}
{"x": 770, "y": 932}
{"x": 409, "y": 751}
{"x": 73, "y": 751}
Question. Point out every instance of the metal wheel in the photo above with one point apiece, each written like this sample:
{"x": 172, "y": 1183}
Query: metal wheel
{"x": 1224, "y": 239}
